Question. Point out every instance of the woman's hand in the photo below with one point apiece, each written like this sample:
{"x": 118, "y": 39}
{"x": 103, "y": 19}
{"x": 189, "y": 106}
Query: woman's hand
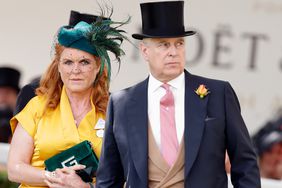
{"x": 65, "y": 178}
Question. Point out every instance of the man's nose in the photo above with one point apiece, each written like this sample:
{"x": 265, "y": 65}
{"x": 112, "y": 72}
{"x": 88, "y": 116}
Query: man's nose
{"x": 172, "y": 50}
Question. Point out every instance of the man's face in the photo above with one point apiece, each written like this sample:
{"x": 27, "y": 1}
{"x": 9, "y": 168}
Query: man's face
{"x": 271, "y": 162}
{"x": 8, "y": 97}
{"x": 165, "y": 56}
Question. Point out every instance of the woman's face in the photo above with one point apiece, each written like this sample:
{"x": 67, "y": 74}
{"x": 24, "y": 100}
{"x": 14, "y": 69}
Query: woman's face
{"x": 78, "y": 70}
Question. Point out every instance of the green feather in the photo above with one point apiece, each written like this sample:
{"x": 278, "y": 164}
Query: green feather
{"x": 105, "y": 36}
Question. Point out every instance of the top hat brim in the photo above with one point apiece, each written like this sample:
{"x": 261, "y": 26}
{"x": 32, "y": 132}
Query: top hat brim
{"x": 142, "y": 36}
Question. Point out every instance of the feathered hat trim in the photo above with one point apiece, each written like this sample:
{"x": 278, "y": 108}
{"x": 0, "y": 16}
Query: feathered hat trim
{"x": 98, "y": 38}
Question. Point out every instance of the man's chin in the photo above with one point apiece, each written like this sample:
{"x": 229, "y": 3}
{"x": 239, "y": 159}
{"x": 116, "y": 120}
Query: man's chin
{"x": 174, "y": 72}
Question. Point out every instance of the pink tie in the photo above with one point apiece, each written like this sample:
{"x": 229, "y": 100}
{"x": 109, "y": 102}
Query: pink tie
{"x": 169, "y": 142}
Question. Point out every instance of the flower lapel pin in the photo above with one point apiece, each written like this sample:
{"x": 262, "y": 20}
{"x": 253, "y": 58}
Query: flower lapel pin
{"x": 202, "y": 91}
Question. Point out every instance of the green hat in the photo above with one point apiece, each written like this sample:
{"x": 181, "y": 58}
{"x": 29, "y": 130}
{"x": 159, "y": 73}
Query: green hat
{"x": 96, "y": 38}
{"x": 76, "y": 37}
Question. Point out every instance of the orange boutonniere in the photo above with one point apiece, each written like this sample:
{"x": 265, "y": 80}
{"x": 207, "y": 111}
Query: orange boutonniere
{"x": 202, "y": 91}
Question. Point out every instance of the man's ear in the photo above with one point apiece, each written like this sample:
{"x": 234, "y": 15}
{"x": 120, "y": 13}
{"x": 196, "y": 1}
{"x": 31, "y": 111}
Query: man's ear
{"x": 144, "y": 50}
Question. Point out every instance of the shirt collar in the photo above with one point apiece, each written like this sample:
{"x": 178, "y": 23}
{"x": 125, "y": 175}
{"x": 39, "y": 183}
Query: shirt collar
{"x": 177, "y": 82}
{"x": 155, "y": 84}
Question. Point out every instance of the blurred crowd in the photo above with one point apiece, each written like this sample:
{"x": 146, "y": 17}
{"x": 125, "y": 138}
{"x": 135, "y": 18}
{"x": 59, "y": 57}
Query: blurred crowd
{"x": 9, "y": 89}
{"x": 268, "y": 144}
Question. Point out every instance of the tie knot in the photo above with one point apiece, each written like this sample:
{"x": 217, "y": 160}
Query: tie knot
{"x": 167, "y": 99}
{"x": 165, "y": 86}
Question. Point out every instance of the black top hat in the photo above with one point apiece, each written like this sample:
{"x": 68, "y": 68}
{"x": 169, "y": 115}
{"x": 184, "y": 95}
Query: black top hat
{"x": 76, "y": 17}
{"x": 162, "y": 20}
{"x": 9, "y": 77}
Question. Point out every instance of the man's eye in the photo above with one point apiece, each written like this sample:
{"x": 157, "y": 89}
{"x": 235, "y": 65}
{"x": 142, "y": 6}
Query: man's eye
{"x": 181, "y": 43}
{"x": 164, "y": 45}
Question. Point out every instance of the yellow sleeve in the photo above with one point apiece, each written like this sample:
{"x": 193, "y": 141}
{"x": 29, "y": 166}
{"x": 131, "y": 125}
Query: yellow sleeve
{"x": 29, "y": 116}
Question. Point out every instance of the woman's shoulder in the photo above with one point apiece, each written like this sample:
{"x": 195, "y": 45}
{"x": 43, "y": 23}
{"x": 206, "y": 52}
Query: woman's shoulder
{"x": 36, "y": 104}
{"x": 38, "y": 101}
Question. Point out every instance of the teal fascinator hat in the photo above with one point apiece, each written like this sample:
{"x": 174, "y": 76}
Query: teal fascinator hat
{"x": 98, "y": 38}
{"x": 76, "y": 37}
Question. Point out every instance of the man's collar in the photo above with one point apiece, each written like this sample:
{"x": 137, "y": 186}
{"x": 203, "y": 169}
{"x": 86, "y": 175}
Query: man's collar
{"x": 177, "y": 82}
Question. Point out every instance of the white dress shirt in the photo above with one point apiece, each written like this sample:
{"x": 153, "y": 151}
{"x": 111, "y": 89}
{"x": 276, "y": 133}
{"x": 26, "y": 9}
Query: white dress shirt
{"x": 155, "y": 93}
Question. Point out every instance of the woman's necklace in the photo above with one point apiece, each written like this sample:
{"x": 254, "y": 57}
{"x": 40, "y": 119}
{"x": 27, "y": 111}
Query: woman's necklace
{"x": 79, "y": 117}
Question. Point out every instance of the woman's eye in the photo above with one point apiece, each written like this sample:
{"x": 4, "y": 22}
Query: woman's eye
{"x": 67, "y": 62}
{"x": 85, "y": 62}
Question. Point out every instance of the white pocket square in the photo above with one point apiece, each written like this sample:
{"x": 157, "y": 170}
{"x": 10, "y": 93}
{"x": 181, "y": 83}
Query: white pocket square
{"x": 209, "y": 118}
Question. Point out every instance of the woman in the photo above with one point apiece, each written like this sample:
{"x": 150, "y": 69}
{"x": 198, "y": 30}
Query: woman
{"x": 70, "y": 106}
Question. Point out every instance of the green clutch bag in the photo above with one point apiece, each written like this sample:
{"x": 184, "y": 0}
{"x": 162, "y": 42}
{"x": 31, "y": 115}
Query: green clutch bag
{"x": 81, "y": 153}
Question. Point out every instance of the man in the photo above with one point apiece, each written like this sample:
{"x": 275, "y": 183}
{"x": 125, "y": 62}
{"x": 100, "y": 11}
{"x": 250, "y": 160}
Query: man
{"x": 9, "y": 88}
{"x": 268, "y": 144}
{"x": 172, "y": 129}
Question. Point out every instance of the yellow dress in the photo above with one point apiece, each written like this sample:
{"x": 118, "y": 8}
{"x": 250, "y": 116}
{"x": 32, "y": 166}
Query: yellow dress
{"x": 56, "y": 130}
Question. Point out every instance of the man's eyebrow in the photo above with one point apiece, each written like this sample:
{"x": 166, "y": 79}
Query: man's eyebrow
{"x": 161, "y": 41}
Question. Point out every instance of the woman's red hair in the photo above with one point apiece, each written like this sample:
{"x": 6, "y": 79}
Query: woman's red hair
{"x": 51, "y": 85}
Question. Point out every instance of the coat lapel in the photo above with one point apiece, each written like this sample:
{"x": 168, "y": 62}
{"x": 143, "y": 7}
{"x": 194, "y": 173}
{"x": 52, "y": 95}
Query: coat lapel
{"x": 195, "y": 114}
{"x": 138, "y": 128}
